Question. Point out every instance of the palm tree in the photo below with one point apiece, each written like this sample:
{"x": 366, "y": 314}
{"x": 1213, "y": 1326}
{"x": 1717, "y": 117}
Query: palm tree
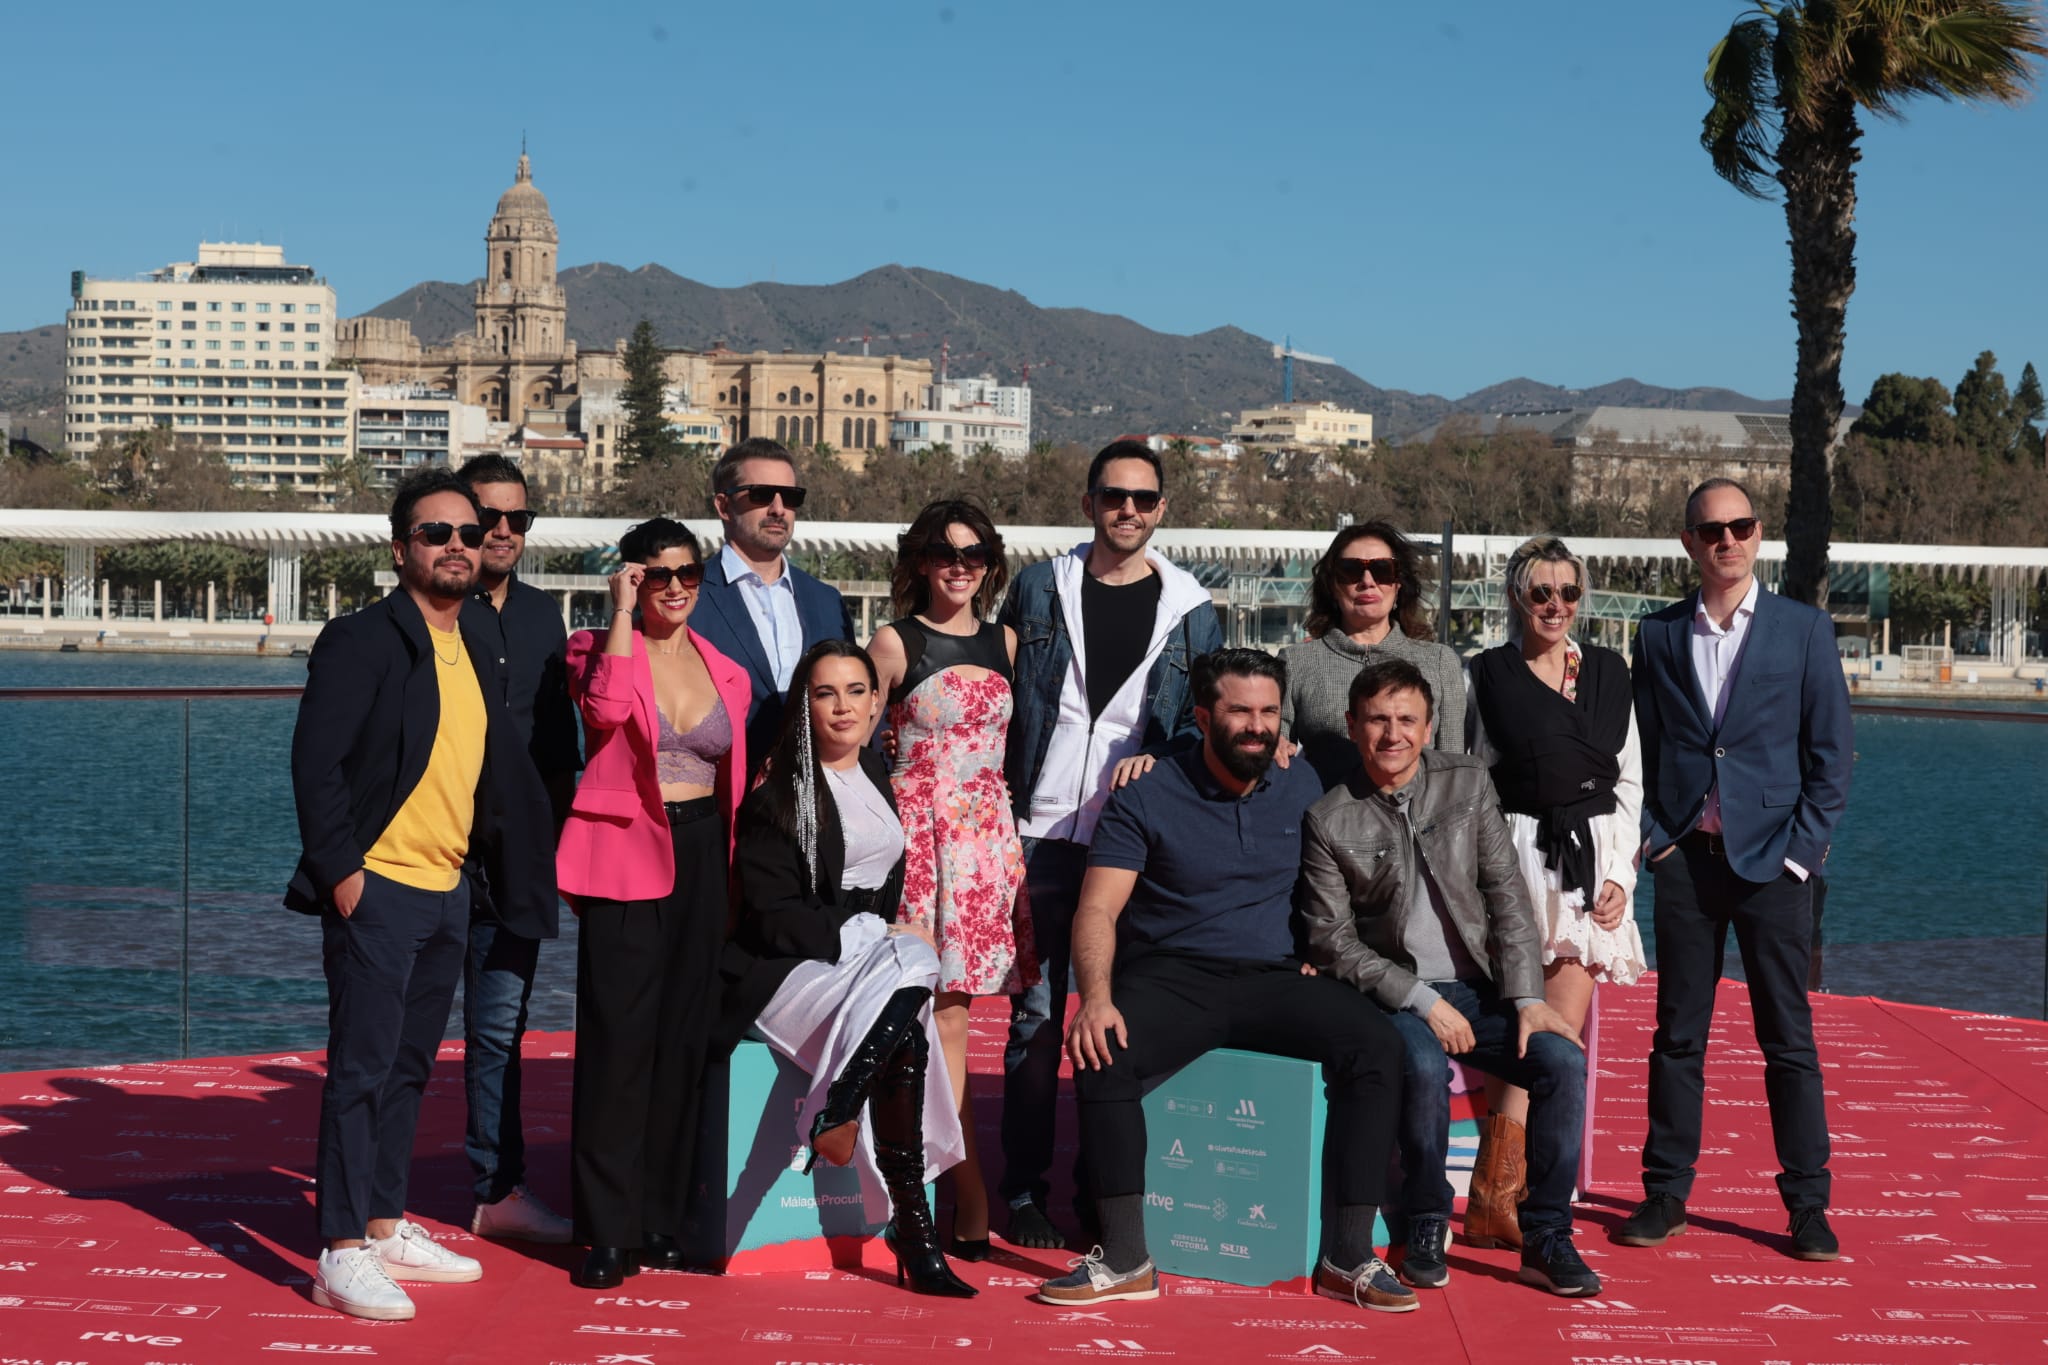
{"x": 1801, "y": 70}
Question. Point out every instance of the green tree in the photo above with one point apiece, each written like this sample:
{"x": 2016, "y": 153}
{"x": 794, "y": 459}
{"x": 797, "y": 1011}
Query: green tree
{"x": 1787, "y": 82}
{"x": 2028, "y": 408}
{"x": 648, "y": 436}
{"x": 1902, "y": 408}
{"x": 1984, "y": 417}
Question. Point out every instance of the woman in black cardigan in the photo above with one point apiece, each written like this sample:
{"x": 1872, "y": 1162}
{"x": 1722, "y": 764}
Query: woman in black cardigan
{"x": 818, "y": 969}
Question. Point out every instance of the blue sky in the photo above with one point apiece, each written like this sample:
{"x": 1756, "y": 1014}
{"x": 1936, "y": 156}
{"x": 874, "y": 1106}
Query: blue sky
{"x": 1439, "y": 196}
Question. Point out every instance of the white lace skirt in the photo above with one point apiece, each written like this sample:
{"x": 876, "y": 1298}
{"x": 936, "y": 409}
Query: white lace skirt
{"x": 821, "y": 1012}
{"x": 1564, "y": 921}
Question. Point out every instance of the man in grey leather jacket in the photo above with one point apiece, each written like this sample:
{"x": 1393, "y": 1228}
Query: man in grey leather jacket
{"x": 1411, "y": 892}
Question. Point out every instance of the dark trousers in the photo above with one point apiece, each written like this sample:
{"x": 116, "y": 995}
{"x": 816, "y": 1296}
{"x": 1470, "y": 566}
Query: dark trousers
{"x": 1177, "y": 1006}
{"x": 646, "y": 1002}
{"x": 391, "y": 972}
{"x": 1698, "y": 897}
{"x": 1053, "y": 869}
{"x": 1554, "y": 1074}
{"x": 497, "y": 983}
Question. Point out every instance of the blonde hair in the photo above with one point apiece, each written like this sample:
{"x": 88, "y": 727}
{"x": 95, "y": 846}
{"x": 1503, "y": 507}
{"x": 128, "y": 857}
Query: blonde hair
{"x": 1522, "y": 567}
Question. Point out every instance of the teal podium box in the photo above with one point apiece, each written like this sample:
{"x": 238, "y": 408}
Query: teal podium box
{"x": 1234, "y": 1169}
{"x": 770, "y": 1202}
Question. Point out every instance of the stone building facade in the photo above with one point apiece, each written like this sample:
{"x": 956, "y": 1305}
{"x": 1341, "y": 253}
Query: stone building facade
{"x": 519, "y": 365}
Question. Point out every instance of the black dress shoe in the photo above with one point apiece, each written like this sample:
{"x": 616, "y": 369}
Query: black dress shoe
{"x": 607, "y": 1268}
{"x": 659, "y": 1251}
{"x": 1812, "y": 1238}
{"x": 969, "y": 1248}
{"x": 1656, "y": 1218}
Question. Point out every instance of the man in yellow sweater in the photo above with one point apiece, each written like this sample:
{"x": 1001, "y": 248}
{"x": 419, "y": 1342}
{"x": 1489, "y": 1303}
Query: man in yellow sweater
{"x": 404, "y": 703}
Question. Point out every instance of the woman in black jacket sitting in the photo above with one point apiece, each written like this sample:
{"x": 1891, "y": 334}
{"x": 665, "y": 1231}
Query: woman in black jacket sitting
{"x": 821, "y": 972}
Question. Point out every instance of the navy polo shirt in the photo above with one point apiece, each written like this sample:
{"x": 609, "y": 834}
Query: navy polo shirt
{"x": 1216, "y": 872}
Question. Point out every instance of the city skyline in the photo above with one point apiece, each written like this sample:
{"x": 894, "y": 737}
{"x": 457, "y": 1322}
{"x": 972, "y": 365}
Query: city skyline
{"x": 1440, "y": 206}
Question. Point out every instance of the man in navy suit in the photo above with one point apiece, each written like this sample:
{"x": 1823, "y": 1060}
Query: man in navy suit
{"x": 1747, "y": 747}
{"x": 763, "y": 610}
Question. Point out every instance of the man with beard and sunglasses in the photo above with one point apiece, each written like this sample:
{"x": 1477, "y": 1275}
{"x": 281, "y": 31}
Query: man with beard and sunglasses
{"x": 1186, "y": 941}
{"x": 1747, "y": 749}
{"x": 1105, "y": 636}
{"x": 1412, "y": 892}
{"x": 404, "y": 764}
{"x": 763, "y": 610}
{"x": 499, "y": 966}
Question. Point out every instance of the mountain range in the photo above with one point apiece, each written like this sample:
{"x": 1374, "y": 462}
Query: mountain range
{"x": 1093, "y": 374}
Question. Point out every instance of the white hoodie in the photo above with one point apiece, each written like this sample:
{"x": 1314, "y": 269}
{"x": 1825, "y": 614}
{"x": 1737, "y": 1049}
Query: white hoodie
{"x": 1074, "y": 780}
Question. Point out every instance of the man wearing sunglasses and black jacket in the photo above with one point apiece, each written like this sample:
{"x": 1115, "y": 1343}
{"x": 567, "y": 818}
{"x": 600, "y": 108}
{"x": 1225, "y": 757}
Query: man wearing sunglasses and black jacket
{"x": 404, "y": 764}
{"x": 764, "y": 611}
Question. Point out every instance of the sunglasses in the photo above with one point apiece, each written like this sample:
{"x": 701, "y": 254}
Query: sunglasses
{"x": 1385, "y": 572}
{"x": 1710, "y": 531}
{"x": 521, "y": 521}
{"x": 975, "y": 556}
{"x": 658, "y": 575}
{"x": 1540, "y": 593}
{"x": 1144, "y": 499}
{"x": 752, "y": 496}
{"x": 441, "y": 532}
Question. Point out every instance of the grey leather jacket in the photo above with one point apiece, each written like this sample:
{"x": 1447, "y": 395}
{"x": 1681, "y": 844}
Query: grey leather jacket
{"x": 1358, "y": 871}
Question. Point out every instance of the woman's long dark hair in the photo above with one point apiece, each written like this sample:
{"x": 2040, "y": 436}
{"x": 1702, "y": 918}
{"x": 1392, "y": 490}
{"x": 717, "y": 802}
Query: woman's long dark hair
{"x": 1325, "y": 615}
{"x": 781, "y": 776}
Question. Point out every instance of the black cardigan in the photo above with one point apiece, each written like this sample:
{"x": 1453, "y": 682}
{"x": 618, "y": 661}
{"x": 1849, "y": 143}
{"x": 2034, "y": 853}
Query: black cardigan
{"x": 779, "y": 923}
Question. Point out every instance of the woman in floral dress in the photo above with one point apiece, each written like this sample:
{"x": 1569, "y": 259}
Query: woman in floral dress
{"x": 947, "y": 674}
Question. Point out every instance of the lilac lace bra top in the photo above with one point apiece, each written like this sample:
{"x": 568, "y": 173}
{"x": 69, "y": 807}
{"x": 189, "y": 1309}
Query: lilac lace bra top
{"x": 693, "y": 757}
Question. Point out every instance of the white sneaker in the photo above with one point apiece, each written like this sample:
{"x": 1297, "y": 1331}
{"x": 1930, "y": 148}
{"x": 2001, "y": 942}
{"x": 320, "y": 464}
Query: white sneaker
{"x": 409, "y": 1254}
{"x": 353, "y": 1280}
{"x": 521, "y": 1216}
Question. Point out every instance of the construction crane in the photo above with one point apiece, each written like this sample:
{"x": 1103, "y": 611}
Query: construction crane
{"x": 865, "y": 337}
{"x": 1287, "y": 355}
{"x": 1028, "y": 366}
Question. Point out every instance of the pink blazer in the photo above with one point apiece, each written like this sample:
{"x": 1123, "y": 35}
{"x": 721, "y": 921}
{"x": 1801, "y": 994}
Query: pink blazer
{"x": 616, "y": 843}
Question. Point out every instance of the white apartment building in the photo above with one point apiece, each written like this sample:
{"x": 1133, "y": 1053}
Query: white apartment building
{"x": 228, "y": 351}
{"x": 967, "y": 414}
{"x": 400, "y": 427}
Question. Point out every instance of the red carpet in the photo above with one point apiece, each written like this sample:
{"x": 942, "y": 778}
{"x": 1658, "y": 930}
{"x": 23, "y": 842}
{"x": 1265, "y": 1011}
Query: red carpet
{"x": 160, "y": 1213}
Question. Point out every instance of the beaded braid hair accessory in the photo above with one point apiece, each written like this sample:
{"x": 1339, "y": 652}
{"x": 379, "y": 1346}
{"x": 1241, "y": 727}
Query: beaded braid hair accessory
{"x": 805, "y": 781}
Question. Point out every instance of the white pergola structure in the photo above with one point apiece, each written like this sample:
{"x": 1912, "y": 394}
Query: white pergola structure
{"x": 1261, "y": 568}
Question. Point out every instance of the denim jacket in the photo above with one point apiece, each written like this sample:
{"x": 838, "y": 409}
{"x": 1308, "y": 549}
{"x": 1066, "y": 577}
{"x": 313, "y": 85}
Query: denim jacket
{"x": 1045, "y": 659}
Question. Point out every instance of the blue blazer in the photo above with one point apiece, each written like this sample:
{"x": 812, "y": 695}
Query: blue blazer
{"x": 1782, "y": 754}
{"x": 722, "y": 618}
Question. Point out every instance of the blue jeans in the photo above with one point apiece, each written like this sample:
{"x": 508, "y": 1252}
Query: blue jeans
{"x": 1554, "y": 1074}
{"x": 497, "y": 981}
{"x": 1053, "y": 869}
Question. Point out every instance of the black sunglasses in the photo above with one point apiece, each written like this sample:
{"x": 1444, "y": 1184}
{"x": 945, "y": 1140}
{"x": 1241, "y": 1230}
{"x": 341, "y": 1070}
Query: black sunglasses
{"x": 440, "y": 532}
{"x": 1385, "y": 572}
{"x": 1144, "y": 499}
{"x": 1710, "y": 531}
{"x": 521, "y": 521}
{"x": 975, "y": 556}
{"x": 689, "y": 575}
{"x": 751, "y": 496}
{"x": 1540, "y": 593}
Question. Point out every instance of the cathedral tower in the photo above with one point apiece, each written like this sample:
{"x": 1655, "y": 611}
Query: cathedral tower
{"x": 520, "y": 310}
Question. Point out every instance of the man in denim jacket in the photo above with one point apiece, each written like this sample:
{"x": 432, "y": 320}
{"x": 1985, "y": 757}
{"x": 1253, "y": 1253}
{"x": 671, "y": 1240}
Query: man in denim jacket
{"x": 1104, "y": 639}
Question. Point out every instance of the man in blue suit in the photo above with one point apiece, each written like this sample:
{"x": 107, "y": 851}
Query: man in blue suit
{"x": 762, "y": 610}
{"x": 1747, "y": 747}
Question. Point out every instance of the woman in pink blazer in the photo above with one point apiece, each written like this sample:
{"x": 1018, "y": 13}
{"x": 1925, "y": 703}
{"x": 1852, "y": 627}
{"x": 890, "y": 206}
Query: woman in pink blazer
{"x": 644, "y": 859}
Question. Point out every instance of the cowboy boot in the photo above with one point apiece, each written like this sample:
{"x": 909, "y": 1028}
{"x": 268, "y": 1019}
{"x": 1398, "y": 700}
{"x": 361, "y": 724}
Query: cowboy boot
{"x": 835, "y": 1130}
{"x": 1499, "y": 1174}
{"x": 897, "y": 1108}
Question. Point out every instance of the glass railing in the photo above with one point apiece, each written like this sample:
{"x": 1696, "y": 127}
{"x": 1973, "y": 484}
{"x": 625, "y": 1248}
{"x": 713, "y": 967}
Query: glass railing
{"x": 151, "y": 832}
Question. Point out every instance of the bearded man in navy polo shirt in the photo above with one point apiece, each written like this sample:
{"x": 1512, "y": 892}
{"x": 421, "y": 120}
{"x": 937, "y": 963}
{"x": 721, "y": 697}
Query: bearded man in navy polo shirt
{"x": 1185, "y": 941}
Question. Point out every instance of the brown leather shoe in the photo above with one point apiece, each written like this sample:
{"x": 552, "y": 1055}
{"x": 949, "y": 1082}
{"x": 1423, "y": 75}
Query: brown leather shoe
{"x": 1498, "y": 1176}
